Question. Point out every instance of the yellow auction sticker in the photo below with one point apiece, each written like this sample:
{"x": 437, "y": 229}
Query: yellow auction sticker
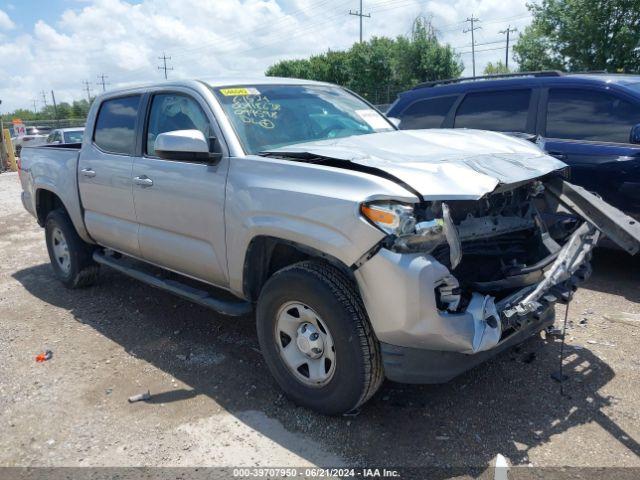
{"x": 239, "y": 92}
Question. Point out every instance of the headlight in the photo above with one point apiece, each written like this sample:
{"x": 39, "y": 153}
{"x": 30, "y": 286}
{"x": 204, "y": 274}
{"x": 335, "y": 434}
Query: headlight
{"x": 392, "y": 218}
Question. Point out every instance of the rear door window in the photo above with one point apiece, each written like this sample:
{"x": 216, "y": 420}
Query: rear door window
{"x": 576, "y": 114}
{"x": 504, "y": 111}
{"x": 427, "y": 113}
{"x": 115, "y": 130}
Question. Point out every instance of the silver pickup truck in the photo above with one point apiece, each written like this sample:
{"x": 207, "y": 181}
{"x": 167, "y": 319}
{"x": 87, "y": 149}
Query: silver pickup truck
{"x": 367, "y": 252}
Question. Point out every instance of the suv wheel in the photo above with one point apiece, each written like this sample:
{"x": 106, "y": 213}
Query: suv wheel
{"x": 71, "y": 257}
{"x": 316, "y": 338}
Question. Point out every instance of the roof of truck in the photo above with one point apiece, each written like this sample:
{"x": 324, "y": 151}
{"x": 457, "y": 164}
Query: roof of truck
{"x": 259, "y": 80}
{"x": 216, "y": 83}
{"x": 70, "y": 129}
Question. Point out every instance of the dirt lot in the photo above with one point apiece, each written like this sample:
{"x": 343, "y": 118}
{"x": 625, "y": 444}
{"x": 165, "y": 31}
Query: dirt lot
{"x": 215, "y": 404}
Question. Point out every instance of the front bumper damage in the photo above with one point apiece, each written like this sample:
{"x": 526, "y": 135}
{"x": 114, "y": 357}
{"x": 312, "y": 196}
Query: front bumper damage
{"x": 399, "y": 293}
{"x": 424, "y": 344}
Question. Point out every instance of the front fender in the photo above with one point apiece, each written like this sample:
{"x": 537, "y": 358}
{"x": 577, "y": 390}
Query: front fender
{"x": 309, "y": 205}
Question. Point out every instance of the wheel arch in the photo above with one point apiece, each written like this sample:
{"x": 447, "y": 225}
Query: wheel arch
{"x": 48, "y": 199}
{"x": 266, "y": 255}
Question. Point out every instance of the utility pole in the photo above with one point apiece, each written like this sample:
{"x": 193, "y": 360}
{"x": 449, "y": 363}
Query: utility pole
{"x": 55, "y": 108}
{"x": 472, "y": 29}
{"x": 35, "y": 105}
{"x": 164, "y": 59}
{"x": 358, "y": 13}
{"x": 506, "y": 54}
{"x": 44, "y": 98}
{"x": 102, "y": 82}
{"x": 87, "y": 89}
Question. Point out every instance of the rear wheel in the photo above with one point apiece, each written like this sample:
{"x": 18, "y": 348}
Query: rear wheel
{"x": 71, "y": 257}
{"x": 316, "y": 338}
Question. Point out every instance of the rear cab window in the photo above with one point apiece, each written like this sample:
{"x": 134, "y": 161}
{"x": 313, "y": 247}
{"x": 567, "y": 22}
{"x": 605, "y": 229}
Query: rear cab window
{"x": 501, "y": 111}
{"x": 115, "y": 129}
{"x": 73, "y": 136}
{"x": 427, "y": 113}
{"x": 591, "y": 115}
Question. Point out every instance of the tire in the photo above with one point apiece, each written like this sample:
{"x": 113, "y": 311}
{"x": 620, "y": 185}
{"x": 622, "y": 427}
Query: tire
{"x": 73, "y": 266}
{"x": 326, "y": 294}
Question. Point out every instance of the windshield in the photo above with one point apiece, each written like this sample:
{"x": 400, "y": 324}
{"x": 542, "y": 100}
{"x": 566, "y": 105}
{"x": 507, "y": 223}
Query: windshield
{"x": 73, "y": 136}
{"x": 270, "y": 116}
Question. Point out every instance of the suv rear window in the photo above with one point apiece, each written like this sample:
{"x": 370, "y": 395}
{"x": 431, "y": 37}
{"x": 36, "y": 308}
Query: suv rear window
{"x": 590, "y": 115}
{"x": 427, "y": 113}
{"x": 116, "y": 125}
{"x": 504, "y": 111}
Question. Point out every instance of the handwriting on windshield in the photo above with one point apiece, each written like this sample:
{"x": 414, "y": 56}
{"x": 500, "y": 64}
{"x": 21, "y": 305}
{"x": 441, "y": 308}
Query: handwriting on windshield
{"x": 256, "y": 110}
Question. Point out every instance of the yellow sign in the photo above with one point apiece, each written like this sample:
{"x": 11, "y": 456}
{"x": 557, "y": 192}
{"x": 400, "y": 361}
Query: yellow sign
{"x": 239, "y": 92}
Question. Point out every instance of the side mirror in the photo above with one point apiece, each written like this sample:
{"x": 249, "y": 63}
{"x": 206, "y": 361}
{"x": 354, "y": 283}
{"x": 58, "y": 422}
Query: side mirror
{"x": 634, "y": 136}
{"x": 190, "y": 145}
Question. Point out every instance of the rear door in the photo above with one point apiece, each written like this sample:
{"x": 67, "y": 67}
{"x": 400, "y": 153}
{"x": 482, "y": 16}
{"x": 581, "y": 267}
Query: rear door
{"x": 104, "y": 175}
{"x": 509, "y": 110}
{"x": 180, "y": 204}
{"x": 588, "y": 128}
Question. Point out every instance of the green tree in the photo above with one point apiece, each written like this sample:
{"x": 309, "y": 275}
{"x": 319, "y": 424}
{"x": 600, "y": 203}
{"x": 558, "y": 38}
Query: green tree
{"x": 381, "y": 67}
{"x": 496, "y": 68}
{"x": 290, "y": 68}
{"x": 578, "y": 35}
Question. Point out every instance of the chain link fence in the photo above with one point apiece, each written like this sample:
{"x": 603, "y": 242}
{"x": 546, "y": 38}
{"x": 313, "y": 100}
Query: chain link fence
{"x": 61, "y": 123}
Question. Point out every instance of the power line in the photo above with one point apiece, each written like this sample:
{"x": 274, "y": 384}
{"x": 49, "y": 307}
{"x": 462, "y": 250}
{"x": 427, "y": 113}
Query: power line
{"x": 164, "y": 67}
{"x": 87, "y": 88}
{"x": 358, "y": 13}
{"x": 472, "y": 29}
{"x": 102, "y": 82}
{"x": 483, "y": 50}
{"x": 507, "y": 31}
{"x": 477, "y": 44}
{"x": 44, "y": 98}
{"x": 284, "y": 37}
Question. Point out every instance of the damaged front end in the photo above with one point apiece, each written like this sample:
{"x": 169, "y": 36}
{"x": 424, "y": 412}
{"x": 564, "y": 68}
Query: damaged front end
{"x": 503, "y": 261}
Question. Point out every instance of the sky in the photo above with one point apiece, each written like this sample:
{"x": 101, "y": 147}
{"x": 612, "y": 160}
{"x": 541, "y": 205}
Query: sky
{"x": 60, "y": 44}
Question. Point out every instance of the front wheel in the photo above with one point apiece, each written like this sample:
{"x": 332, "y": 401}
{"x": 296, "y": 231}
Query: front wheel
{"x": 316, "y": 338}
{"x": 71, "y": 258}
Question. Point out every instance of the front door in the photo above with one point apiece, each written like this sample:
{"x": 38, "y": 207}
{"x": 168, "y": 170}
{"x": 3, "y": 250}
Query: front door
{"x": 180, "y": 204}
{"x": 589, "y": 130}
{"x": 104, "y": 175}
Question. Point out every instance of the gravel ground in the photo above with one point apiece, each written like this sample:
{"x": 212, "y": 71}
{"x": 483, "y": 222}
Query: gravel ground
{"x": 213, "y": 402}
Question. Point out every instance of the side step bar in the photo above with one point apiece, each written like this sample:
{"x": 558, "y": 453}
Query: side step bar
{"x": 234, "y": 308}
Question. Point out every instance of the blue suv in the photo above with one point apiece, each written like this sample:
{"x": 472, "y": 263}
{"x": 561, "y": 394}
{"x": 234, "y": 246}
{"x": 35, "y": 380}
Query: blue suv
{"x": 590, "y": 121}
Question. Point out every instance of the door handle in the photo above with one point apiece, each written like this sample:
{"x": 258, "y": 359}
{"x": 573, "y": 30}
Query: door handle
{"x": 88, "y": 172}
{"x": 558, "y": 155}
{"x": 143, "y": 181}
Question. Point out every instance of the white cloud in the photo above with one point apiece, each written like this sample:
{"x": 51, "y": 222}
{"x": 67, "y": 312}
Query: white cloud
{"x": 5, "y": 22}
{"x": 209, "y": 38}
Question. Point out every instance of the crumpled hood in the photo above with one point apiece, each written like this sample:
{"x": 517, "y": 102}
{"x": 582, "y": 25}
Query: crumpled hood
{"x": 451, "y": 164}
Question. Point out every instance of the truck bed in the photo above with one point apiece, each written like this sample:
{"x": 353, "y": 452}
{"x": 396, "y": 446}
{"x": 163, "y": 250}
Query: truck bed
{"x": 52, "y": 168}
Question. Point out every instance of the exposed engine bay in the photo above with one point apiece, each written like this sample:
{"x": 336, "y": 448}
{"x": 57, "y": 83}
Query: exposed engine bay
{"x": 508, "y": 246}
